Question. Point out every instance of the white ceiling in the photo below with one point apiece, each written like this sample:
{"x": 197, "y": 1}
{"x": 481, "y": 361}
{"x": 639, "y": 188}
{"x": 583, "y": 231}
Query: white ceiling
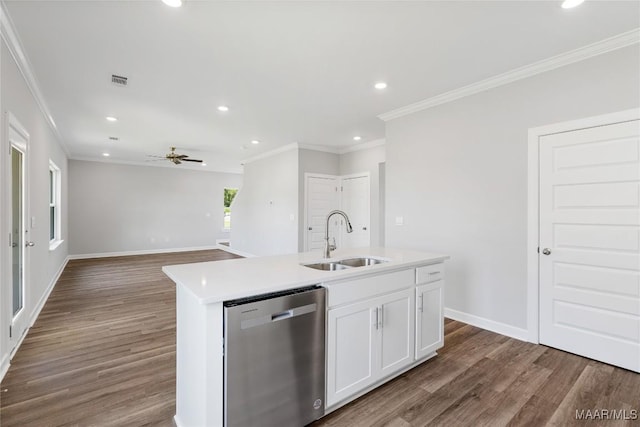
{"x": 289, "y": 71}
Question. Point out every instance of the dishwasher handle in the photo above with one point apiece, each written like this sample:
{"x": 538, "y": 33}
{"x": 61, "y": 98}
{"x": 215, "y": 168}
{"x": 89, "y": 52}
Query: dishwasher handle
{"x": 281, "y": 316}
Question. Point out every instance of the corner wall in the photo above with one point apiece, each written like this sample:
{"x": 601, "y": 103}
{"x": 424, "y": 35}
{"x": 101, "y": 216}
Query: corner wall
{"x": 457, "y": 174}
{"x": 265, "y": 210}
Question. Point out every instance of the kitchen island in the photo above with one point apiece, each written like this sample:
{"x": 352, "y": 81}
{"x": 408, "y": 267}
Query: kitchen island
{"x": 408, "y": 284}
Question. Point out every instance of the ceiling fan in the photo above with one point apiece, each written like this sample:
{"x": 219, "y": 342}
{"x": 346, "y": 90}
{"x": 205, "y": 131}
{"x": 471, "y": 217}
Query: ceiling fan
{"x": 176, "y": 158}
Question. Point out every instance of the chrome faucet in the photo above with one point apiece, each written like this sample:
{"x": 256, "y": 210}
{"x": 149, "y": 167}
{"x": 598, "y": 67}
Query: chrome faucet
{"x": 327, "y": 247}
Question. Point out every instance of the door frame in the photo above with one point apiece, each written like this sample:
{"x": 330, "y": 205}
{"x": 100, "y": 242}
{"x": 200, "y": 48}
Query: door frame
{"x": 15, "y": 338}
{"x": 533, "y": 202}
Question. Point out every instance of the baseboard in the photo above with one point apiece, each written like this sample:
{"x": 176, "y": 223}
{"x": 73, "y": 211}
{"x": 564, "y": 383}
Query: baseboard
{"x": 488, "y": 324}
{"x": 236, "y": 252}
{"x": 142, "y": 252}
{"x": 45, "y": 296}
{"x": 4, "y": 367}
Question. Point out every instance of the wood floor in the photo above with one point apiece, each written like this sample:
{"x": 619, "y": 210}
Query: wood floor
{"x": 102, "y": 353}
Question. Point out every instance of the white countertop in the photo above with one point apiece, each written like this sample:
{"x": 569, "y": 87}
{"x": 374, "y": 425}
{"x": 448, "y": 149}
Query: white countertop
{"x": 217, "y": 281}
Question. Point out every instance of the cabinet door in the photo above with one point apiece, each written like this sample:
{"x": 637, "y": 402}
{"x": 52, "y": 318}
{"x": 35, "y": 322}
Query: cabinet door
{"x": 396, "y": 329}
{"x": 351, "y": 361}
{"x": 429, "y": 319}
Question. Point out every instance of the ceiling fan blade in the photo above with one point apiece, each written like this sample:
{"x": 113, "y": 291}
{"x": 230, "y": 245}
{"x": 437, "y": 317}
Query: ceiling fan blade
{"x": 176, "y": 161}
{"x": 192, "y": 160}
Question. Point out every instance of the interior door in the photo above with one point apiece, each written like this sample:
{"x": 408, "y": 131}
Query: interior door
{"x": 590, "y": 243}
{"x": 19, "y": 232}
{"x": 321, "y": 198}
{"x": 355, "y": 202}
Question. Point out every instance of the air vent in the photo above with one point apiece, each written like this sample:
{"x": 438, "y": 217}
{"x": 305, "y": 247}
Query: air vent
{"x": 114, "y": 138}
{"x": 118, "y": 80}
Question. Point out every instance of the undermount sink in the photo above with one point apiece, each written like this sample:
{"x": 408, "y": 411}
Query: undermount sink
{"x": 327, "y": 266}
{"x": 361, "y": 262}
{"x": 345, "y": 263}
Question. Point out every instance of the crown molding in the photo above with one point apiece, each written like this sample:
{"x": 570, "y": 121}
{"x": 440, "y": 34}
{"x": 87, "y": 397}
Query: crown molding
{"x": 607, "y": 45}
{"x": 11, "y": 39}
{"x": 322, "y": 148}
{"x": 363, "y": 146}
{"x": 292, "y": 146}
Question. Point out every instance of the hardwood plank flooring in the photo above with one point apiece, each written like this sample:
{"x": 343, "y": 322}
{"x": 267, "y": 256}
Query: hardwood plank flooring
{"x": 102, "y": 353}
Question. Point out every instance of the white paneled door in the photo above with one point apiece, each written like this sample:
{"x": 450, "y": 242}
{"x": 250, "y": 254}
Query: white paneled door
{"x": 321, "y": 198}
{"x": 590, "y": 243}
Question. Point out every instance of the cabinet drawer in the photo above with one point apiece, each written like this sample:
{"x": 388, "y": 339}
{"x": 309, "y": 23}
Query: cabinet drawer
{"x": 430, "y": 273}
{"x": 359, "y": 289}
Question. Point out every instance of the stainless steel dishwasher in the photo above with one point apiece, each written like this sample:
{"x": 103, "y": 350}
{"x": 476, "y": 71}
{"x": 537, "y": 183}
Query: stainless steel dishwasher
{"x": 274, "y": 363}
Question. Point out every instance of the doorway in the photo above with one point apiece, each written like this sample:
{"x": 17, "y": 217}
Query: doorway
{"x": 584, "y": 284}
{"x": 324, "y": 193}
{"x": 18, "y": 193}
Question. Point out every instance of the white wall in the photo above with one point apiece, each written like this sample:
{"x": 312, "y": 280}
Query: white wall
{"x": 116, "y": 208}
{"x": 457, "y": 173}
{"x": 368, "y": 160}
{"x": 263, "y": 208}
{"x": 15, "y": 97}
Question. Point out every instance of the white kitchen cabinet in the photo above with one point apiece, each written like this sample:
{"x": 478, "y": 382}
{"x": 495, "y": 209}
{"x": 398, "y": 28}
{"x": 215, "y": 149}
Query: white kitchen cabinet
{"x": 429, "y": 310}
{"x": 368, "y": 341}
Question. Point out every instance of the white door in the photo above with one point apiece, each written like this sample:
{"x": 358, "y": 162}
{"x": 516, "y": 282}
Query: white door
{"x": 429, "y": 315}
{"x": 19, "y": 229}
{"x": 351, "y": 361}
{"x": 321, "y": 198}
{"x": 590, "y": 243}
{"x": 355, "y": 203}
{"x": 395, "y": 318}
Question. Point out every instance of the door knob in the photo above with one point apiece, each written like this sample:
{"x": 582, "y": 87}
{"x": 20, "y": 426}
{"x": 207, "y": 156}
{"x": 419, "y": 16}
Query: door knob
{"x": 310, "y": 228}
{"x": 546, "y": 251}
{"x": 30, "y": 244}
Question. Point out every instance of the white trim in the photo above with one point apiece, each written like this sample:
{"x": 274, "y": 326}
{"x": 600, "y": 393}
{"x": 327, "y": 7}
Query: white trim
{"x": 533, "y": 193}
{"x": 54, "y": 244}
{"x": 12, "y": 41}
{"x": 47, "y": 292}
{"x": 142, "y": 252}
{"x": 322, "y": 148}
{"x": 4, "y": 367}
{"x": 284, "y": 148}
{"x": 176, "y": 421}
{"x": 363, "y": 146}
{"x": 488, "y": 324}
{"x": 607, "y": 45}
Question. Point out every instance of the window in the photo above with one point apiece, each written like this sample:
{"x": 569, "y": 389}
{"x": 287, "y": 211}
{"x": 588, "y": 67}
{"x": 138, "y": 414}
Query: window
{"x": 229, "y": 194}
{"x": 55, "y": 230}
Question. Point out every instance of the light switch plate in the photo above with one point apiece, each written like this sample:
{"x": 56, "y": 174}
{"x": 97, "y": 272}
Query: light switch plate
{"x": 399, "y": 220}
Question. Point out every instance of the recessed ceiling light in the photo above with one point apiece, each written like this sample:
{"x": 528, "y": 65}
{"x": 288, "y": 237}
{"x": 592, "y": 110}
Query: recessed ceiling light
{"x": 173, "y": 3}
{"x": 357, "y": 138}
{"x": 204, "y": 164}
{"x": 106, "y": 154}
{"x": 111, "y": 119}
{"x": 380, "y": 85}
{"x": 223, "y": 108}
{"x": 255, "y": 141}
{"x": 568, "y": 4}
